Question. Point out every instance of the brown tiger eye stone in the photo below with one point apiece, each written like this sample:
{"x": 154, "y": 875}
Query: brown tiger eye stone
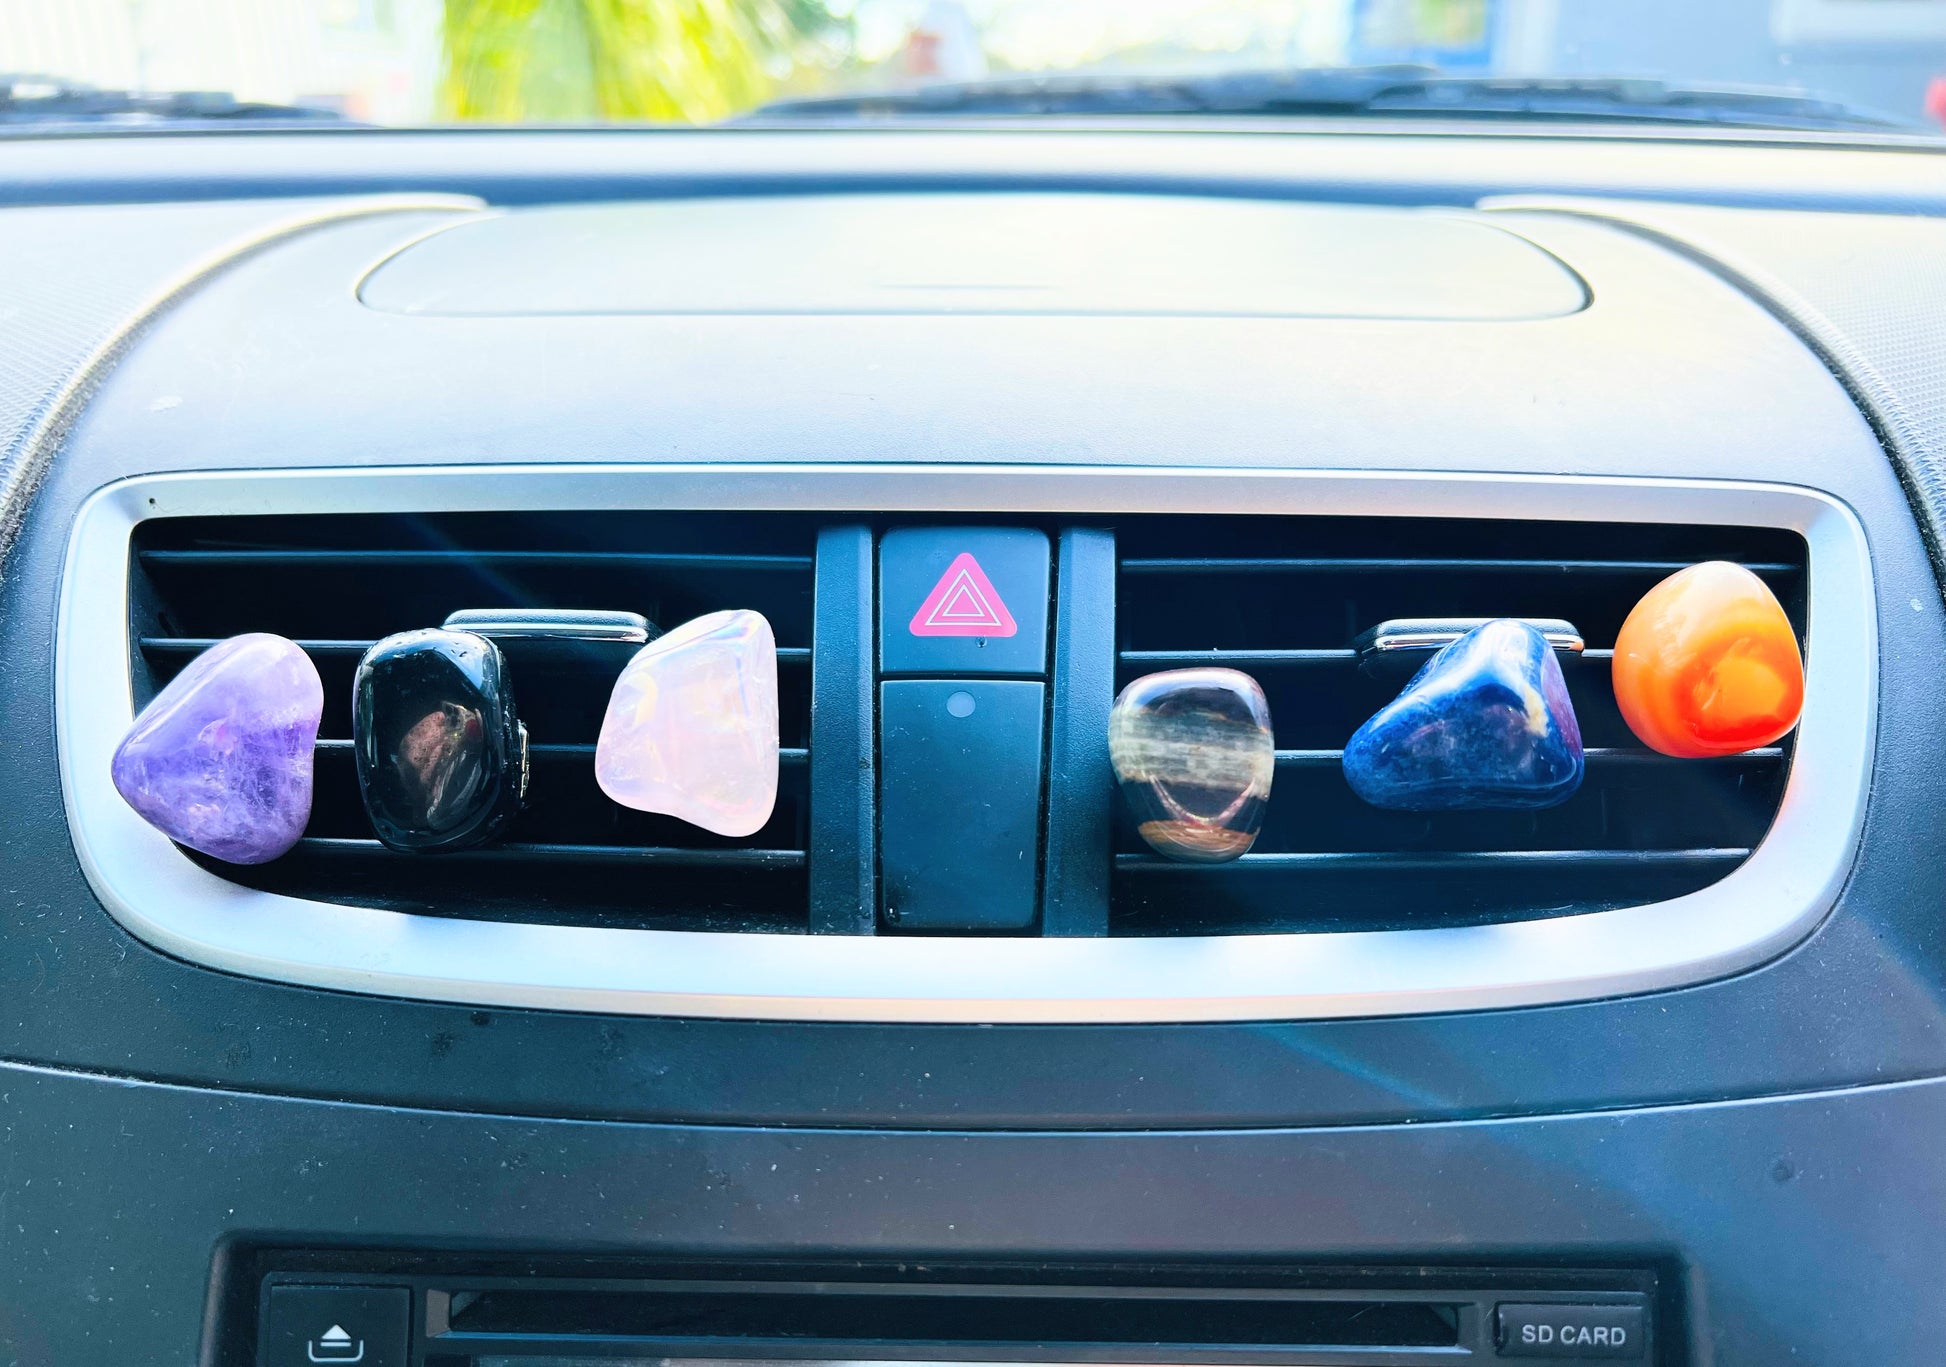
{"x": 1193, "y": 752}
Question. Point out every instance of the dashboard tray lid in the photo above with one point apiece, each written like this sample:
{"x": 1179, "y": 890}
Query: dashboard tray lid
{"x": 1014, "y": 253}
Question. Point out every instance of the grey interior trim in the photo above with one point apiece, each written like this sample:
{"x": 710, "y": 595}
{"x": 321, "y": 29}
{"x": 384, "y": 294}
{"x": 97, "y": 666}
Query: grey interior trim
{"x": 1761, "y": 909}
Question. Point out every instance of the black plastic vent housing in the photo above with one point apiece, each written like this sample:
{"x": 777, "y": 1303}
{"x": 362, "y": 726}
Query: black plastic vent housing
{"x": 336, "y": 584}
{"x": 1281, "y": 598}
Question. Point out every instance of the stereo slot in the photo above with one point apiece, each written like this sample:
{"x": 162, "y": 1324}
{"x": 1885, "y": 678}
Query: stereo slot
{"x": 962, "y": 1316}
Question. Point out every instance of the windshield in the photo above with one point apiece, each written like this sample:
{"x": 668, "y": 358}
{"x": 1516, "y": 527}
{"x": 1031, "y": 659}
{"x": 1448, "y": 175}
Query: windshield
{"x": 1857, "y": 64}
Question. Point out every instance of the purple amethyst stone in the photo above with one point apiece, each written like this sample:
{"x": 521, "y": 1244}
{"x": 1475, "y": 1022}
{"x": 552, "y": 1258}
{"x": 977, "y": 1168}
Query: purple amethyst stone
{"x": 220, "y": 761}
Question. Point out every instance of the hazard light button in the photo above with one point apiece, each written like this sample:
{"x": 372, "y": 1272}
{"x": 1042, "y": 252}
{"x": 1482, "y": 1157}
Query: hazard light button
{"x": 956, "y": 601}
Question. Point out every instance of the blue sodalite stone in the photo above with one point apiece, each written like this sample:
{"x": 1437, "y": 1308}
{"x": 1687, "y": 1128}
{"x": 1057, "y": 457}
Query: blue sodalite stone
{"x": 1486, "y": 723}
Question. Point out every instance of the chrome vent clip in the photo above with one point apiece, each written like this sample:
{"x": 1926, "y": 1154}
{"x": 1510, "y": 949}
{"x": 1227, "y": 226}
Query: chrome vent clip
{"x": 554, "y": 624}
{"x": 544, "y": 637}
{"x": 1399, "y": 645}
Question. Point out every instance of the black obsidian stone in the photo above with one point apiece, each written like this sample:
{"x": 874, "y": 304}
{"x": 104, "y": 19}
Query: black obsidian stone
{"x": 441, "y": 756}
{"x": 1194, "y": 755}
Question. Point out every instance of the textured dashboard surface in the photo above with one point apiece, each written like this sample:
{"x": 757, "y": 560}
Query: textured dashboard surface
{"x": 1806, "y": 1227}
{"x": 78, "y": 281}
{"x": 279, "y": 365}
{"x": 1868, "y": 292}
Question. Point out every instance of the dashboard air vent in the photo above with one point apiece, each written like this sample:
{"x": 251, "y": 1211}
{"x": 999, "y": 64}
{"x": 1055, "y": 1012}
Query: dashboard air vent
{"x": 1283, "y": 599}
{"x": 336, "y": 584}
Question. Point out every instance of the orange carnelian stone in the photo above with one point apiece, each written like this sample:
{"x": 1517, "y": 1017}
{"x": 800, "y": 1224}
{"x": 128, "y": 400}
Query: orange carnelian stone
{"x": 1707, "y": 664}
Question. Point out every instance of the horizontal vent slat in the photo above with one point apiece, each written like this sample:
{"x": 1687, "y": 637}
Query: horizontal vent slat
{"x": 1237, "y": 659}
{"x": 361, "y": 558}
{"x": 1272, "y": 659}
{"x": 795, "y": 656}
{"x": 788, "y": 757}
{"x": 509, "y": 852}
{"x": 1597, "y": 756}
{"x": 1380, "y": 862}
{"x": 1414, "y": 565}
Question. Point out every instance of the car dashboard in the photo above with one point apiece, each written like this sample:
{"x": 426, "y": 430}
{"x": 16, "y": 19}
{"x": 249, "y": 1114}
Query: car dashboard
{"x": 942, "y": 1060}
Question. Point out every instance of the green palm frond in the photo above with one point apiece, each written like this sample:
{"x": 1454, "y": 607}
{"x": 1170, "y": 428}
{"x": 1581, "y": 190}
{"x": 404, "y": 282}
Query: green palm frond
{"x": 511, "y": 61}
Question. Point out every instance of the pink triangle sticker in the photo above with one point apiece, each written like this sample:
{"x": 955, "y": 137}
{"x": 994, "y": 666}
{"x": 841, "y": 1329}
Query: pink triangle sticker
{"x": 963, "y": 603}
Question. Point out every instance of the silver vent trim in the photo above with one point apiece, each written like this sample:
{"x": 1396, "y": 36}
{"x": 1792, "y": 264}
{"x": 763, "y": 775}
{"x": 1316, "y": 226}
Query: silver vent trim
{"x": 1764, "y": 907}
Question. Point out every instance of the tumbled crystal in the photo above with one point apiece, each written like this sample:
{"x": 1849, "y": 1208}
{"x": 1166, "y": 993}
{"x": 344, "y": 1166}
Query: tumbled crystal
{"x": 441, "y": 755}
{"x": 1485, "y": 723}
{"x": 1707, "y": 664}
{"x": 691, "y": 730}
{"x": 221, "y": 760}
{"x": 1193, "y": 752}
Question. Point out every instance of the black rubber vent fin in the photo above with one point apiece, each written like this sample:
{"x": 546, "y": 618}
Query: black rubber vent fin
{"x": 1283, "y": 598}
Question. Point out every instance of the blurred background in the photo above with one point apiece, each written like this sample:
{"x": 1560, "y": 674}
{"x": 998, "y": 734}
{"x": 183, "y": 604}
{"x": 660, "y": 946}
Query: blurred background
{"x": 691, "y": 61}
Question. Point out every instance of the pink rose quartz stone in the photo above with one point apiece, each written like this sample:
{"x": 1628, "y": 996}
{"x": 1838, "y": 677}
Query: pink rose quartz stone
{"x": 691, "y": 729}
